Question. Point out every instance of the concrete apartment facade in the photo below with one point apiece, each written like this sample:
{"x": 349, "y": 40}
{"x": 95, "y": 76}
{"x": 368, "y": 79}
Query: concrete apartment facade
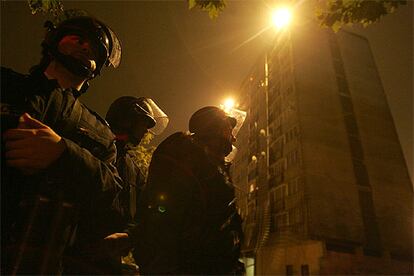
{"x": 323, "y": 187}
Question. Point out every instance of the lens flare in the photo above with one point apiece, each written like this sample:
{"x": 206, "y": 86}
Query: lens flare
{"x": 228, "y": 104}
{"x": 281, "y": 17}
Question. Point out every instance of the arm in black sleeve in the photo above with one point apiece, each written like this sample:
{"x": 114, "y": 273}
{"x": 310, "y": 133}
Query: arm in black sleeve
{"x": 102, "y": 175}
{"x": 94, "y": 185}
{"x": 85, "y": 176}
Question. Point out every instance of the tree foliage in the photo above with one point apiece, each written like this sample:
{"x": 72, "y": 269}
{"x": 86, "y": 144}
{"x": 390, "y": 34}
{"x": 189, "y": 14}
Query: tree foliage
{"x": 53, "y": 7}
{"x": 142, "y": 153}
{"x": 213, "y": 7}
{"x": 337, "y": 13}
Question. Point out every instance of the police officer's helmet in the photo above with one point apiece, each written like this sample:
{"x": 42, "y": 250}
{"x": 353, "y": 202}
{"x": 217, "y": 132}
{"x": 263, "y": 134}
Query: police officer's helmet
{"x": 209, "y": 120}
{"x": 104, "y": 40}
{"x": 128, "y": 109}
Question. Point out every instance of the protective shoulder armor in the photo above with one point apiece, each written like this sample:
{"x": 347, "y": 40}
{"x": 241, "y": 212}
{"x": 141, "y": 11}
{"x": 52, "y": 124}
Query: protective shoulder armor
{"x": 95, "y": 127}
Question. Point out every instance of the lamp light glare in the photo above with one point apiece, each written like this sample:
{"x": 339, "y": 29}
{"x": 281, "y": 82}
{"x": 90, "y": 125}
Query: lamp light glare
{"x": 228, "y": 104}
{"x": 281, "y": 17}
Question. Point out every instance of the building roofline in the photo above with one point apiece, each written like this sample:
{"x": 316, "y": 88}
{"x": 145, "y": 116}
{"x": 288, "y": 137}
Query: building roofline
{"x": 355, "y": 34}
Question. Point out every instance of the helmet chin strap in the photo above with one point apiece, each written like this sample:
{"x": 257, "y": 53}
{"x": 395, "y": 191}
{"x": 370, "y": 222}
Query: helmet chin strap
{"x": 73, "y": 65}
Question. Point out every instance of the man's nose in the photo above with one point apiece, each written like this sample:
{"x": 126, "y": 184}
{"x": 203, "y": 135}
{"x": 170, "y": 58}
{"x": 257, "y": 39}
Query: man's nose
{"x": 85, "y": 46}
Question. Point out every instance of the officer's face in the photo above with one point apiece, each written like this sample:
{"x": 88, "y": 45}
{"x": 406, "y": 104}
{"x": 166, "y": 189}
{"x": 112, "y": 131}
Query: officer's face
{"x": 228, "y": 137}
{"x": 80, "y": 48}
{"x": 138, "y": 132}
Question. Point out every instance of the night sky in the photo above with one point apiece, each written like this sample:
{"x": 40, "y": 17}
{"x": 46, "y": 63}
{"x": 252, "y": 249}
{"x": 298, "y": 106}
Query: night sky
{"x": 184, "y": 60}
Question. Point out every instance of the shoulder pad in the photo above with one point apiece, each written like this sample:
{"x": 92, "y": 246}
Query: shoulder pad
{"x": 176, "y": 140}
{"x": 102, "y": 120}
{"x": 95, "y": 127}
{"x": 179, "y": 146}
{"x": 9, "y": 74}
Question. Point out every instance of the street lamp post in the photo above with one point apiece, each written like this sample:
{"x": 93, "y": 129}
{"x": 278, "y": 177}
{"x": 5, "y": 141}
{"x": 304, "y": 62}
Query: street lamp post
{"x": 280, "y": 19}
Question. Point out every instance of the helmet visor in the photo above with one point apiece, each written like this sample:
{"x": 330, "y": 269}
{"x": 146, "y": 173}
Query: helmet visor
{"x": 161, "y": 119}
{"x": 237, "y": 118}
{"x": 114, "y": 58}
{"x": 230, "y": 157}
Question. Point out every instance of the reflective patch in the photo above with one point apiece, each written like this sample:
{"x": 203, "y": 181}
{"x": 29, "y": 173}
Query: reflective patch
{"x": 161, "y": 209}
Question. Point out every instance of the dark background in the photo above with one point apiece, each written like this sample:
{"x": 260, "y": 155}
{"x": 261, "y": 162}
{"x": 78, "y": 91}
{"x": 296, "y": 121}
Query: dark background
{"x": 184, "y": 60}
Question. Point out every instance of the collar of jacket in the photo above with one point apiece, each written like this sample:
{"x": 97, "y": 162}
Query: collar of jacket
{"x": 42, "y": 81}
{"x": 45, "y": 84}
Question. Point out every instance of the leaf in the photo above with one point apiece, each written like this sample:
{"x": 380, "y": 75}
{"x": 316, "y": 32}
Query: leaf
{"x": 142, "y": 153}
{"x": 212, "y": 7}
{"x": 191, "y": 4}
{"x": 45, "y": 6}
{"x": 336, "y": 26}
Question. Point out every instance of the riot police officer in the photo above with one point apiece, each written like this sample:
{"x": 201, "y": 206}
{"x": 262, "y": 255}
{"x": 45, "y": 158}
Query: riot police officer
{"x": 58, "y": 175}
{"x": 130, "y": 119}
{"x": 188, "y": 219}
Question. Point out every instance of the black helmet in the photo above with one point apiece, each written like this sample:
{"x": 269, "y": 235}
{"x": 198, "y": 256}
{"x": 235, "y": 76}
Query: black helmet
{"x": 208, "y": 120}
{"x": 127, "y": 109}
{"x": 103, "y": 38}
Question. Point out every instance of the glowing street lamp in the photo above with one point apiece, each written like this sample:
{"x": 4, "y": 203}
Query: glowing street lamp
{"x": 281, "y": 18}
{"x": 228, "y": 104}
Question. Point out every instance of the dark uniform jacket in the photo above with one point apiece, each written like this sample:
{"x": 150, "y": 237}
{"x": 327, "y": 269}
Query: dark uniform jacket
{"x": 67, "y": 203}
{"x": 189, "y": 220}
{"x": 133, "y": 180}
